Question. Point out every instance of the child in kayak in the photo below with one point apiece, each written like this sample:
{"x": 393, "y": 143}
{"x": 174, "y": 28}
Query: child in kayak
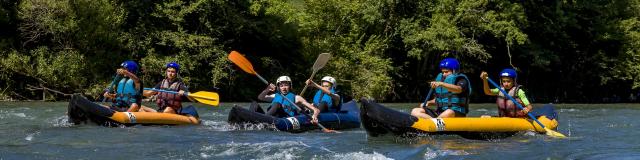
{"x": 452, "y": 90}
{"x": 127, "y": 95}
{"x": 508, "y": 82}
{"x": 280, "y": 107}
{"x": 168, "y": 102}
{"x": 326, "y": 99}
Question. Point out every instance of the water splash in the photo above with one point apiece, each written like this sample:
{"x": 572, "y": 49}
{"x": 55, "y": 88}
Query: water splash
{"x": 265, "y": 150}
{"x": 356, "y": 156}
{"x": 225, "y": 126}
{"x": 61, "y": 121}
{"x": 12, "y": 114}
{"x": 432, "y": 154}
{"x": 31, "y": 135}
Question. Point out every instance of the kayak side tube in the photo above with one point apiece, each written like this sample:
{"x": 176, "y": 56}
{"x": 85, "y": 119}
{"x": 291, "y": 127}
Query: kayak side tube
{"x": 379, "y": 120}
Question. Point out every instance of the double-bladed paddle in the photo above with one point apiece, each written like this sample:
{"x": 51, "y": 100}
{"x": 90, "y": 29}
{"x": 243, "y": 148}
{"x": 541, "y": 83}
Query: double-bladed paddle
{"x": 209, "y": 98}
{"x": 246, "y": 66}
{"x": 319, "y": 64}
{"x": 549, "y": 132}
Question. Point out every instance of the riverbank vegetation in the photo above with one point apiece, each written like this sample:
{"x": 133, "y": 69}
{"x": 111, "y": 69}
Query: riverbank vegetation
{"x": 565, "y": 51}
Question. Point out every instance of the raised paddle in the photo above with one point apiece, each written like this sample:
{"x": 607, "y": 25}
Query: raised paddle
{"x": 322, "y": 60}
{"x": 246, "y": 66}
{"x": 549, "y": 132}
{"x": 209, "y": 98}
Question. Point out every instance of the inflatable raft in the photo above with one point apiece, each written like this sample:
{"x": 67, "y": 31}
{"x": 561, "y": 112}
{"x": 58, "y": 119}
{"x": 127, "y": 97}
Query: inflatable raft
{"x": 379, "y": 120}
{"x": 345, "y": 119}
{"x": 81, "y": 111}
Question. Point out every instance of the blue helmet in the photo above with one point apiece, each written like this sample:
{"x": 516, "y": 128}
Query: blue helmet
{"x": 508, "y": 72}
{"x": 131, "y": 66}
{"x": 173, "y": 65}
{"x": 450, "y": 63}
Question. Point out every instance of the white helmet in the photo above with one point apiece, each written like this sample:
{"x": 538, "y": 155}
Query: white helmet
{"x": 283, "y": 79}
{"x": 330, "y": 80}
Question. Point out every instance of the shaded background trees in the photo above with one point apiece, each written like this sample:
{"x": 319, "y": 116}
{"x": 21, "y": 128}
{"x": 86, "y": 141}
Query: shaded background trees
{"x": 565, "y": 51}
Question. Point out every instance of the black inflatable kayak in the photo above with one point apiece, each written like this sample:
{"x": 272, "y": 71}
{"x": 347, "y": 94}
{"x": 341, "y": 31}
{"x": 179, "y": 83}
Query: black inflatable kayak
{"x": 345, "y": 119}
{"x": 379, "y": 120}
{"x": 82, "y": 111}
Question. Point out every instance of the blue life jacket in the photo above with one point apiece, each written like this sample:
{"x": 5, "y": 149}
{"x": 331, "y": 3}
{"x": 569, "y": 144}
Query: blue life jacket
{"x": 321, "y": 97}
{"x": 288, "y": 107}
{"x": 126, "y": 94}
{"x": 454, "y": 101}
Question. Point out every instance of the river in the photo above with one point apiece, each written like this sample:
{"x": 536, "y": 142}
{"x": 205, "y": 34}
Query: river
{"x": 40, "y": 130}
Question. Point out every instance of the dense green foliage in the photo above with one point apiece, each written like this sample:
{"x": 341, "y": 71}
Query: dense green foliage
{"x": 568, "y": 51}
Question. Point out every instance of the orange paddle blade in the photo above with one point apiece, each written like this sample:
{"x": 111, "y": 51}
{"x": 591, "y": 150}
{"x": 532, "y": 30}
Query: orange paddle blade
{"x": 241, "y": 62}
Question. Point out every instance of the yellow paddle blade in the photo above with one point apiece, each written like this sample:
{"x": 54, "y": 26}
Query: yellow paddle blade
{"x": 209, "y": 98}
{"x": 554, "y": 134}
{"x": 241, "y": 62}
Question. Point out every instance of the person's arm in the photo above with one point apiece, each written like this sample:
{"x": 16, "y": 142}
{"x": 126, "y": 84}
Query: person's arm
{"x": 184, "y": 89}
{"x": 334, "y": 97}
{"x": 149, "y": 93}
{"x": 525, "y": 101}
{"x": 316, "y": 111}
{"x": 454, "y": 88}
{"x": 485, "y": 84}
{"x": 264, "y": 95}
{"x": 135, "y": 78}
{"x": 431, "y": 102}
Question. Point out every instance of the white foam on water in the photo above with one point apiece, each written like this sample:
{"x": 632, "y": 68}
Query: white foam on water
{"x": 12, "y": 114}
{"x": 530, "y": 133}
{"x": 31, "y": 135}
{"x": 225, "y": 126}
{"x": 218, "y": 114}
{"x": 266, "y": 150}
{"x": 432, "y": 154}
{"x": 356, "y": 156}
{"x": 61, "y": 121}
{"x": 482, "y": 110}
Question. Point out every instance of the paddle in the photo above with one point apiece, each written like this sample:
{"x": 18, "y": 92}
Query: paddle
{"x": 209, "y": 98}
{"x": 549, "y": 132}
{"x": 424, "y": 105}
{"x": 246, "y": 66}
{"x": 319, "y": 64}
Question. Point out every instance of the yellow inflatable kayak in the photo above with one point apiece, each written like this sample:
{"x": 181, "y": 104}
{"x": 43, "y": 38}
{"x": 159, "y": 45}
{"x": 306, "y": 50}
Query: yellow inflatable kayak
{"x": 379, "y": 120}
{"x": 81, "y": 110}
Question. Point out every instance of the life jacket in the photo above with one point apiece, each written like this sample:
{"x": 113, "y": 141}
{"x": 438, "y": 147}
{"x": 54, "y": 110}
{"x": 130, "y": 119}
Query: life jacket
{"x": 165, "y": 99}
{"x": 506, "y": 107}
{"x": 288, "y": 107}
{"x": 321, "y": 97}
{"x": 449, "y": 100}
{"x": 126, "y": 94}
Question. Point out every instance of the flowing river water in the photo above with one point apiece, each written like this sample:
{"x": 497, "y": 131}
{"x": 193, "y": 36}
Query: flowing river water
{"x": 40, "y": 130}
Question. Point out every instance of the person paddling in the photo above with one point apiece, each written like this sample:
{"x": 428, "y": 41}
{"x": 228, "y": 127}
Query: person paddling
{"x": 280, "y": 107}
{"x": 452, "y": 90}
{"x": 508, "y": 82}
{"x": 126, "y": 96}
{"x": 326, "y": 99}
{"x": 168, "y": 102}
